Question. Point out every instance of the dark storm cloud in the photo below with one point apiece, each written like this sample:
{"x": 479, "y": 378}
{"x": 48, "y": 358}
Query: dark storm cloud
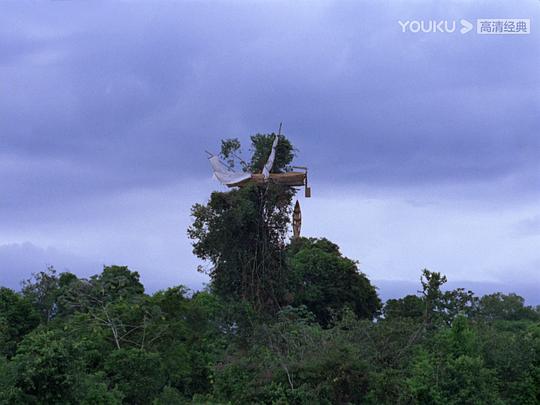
{"x": 129, "y": 95}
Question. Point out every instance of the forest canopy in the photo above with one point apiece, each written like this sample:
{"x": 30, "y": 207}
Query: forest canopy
{"x": 104, "y": 340}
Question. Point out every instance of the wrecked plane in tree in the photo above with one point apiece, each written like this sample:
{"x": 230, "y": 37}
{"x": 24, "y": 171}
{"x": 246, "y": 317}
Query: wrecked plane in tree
{"x": 230, "y": 178}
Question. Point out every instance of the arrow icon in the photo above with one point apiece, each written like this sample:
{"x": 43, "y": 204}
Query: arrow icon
{"x": 466, "y": 26}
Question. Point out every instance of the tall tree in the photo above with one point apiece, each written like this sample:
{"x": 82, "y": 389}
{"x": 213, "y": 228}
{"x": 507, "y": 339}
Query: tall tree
{"x": 242, "y": 232}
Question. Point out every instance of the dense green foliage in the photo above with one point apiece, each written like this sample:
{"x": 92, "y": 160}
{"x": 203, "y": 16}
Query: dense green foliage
{"x": 107, "y": 342}
{"x": 281, "y": 323}
{"x": 326, "y": 282}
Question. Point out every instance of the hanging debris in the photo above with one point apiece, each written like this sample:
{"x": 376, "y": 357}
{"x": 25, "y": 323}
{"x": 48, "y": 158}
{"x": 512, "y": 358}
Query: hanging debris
{"x": 297, "y": 220}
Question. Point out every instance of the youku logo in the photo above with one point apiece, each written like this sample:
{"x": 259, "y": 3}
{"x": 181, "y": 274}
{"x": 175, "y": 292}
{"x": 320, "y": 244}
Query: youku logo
{"x": 444, "y": 26}
{"x": 489, "y": 26}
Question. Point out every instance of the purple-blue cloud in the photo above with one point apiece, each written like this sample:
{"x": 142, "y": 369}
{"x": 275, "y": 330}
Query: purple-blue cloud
{"x": 107, "y": 107}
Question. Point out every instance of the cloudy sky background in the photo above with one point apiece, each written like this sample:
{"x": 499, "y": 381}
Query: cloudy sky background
{"x": 422, "y": 148}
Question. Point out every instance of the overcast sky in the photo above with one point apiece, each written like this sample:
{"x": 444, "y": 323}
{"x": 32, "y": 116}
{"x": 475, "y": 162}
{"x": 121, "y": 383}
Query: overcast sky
{"x": 423, "y": 148}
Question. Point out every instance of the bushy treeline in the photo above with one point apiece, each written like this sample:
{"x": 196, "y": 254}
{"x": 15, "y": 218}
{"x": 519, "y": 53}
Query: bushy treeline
{"x": 103, "y": 340}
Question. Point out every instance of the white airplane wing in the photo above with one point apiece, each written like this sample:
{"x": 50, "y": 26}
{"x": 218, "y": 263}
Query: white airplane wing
{"x": 225, "y": 175}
